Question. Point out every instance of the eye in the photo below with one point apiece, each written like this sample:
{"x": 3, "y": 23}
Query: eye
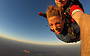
{"x": 50, "y": 24}
{"x": 58, "y": 23}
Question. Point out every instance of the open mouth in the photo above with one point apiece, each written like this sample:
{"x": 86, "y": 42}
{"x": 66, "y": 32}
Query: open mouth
{"x": 58, "y": 30}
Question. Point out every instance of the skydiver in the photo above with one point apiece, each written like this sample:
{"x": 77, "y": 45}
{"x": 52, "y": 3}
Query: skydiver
{"x": 60, "y": 26}
{"x": 70, "y": 7}
{"x": 67, "y": 7}
{"x": 83, "y": 20}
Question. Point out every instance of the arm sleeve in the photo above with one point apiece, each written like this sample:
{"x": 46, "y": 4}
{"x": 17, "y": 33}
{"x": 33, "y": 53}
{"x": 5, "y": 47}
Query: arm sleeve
{"x": 74, "y": 9}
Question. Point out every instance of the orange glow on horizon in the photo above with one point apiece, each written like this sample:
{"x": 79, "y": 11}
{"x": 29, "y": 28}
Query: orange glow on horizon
{"x": 34, "y": 42}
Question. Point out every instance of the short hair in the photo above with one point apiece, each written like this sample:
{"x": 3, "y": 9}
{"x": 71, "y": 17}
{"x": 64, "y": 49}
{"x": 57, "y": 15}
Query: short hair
{"x": 53, "y": 11}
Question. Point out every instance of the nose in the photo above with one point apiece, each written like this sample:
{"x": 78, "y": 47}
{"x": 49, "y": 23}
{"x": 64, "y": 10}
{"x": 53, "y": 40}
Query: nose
{"x": 54, "y": 27}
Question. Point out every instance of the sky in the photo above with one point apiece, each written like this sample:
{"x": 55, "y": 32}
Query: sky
{"x": 19, "y": 19}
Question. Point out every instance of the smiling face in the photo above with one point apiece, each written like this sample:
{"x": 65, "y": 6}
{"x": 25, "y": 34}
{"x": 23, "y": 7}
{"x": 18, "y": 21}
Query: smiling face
{"x": 56, "y": 24}
{"x": 61, "y": 3}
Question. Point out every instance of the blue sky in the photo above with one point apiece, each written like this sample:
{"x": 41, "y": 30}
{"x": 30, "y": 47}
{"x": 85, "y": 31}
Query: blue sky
{"x": 19, "y": 18}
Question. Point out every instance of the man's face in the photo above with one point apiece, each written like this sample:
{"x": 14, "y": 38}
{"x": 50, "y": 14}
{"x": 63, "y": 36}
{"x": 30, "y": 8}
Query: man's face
{"x": 56, "y": 24}
{"x": 61, "y": 3}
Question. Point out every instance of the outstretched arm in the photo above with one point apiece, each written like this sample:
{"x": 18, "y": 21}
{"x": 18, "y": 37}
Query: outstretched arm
{"x": 84, "y": 22}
